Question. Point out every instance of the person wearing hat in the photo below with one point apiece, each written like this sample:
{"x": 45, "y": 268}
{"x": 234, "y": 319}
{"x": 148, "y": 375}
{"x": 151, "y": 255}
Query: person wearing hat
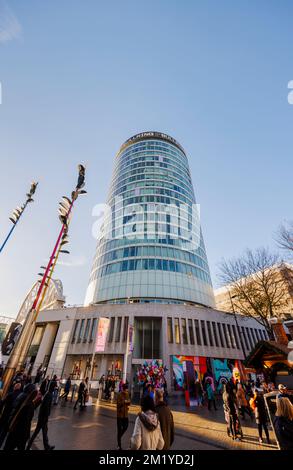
{"x": 282, "y": 391}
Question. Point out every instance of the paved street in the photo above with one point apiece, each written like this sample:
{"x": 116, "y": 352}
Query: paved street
{"x": 95, "y": 428}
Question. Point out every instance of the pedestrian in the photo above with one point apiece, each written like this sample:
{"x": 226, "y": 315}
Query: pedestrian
{"x": 44, "y": 385}
{"x": 67, "y": 388}
{"x": 43, "y": 417}
{"x": 86, "y": 392}
{"x": 101, "y": 387}
{"x": 283, "y": 423}
{"x": 147, "y": 433}
{"x": 242, "y": 402}
{"x": 123, "y": 403}
{"x": 80, "y": 395}
{"x": 230, "y": 411}
{"x": 257, "y": 404}
{"x": 56, "y": 389}
{"x": 38, "y": 375}
{"x": 211, "y": 396}
{"x": 198, "y": 392}
{"x": 21, "y": 418}
{"x": 6, "y": 408}
{"x": 166, "y": 419}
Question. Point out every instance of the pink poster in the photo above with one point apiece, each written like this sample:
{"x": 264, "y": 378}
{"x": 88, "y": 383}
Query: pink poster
{"x": 102, "y": 334}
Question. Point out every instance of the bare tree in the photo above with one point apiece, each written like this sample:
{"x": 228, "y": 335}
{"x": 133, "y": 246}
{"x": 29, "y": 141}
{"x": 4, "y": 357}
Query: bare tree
{"x": 285, "y": 237}
{"x": 256, "y": 286}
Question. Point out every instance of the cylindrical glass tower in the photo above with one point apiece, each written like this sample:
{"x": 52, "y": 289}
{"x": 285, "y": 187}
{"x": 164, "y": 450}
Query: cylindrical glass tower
{"x": 150, "y": 248}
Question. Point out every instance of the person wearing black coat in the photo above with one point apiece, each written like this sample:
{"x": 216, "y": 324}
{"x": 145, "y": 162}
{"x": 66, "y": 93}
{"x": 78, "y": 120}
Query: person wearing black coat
{"x": 21, "y": 418}
{"x": 44, "y": 385}
{"x": 261, "y": 417}
{"x": 6, "y": 409}
{"x": 80, "y": 395}
{"x": 43, "y": 417}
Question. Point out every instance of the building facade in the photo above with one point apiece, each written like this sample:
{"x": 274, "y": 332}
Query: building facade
{"x": 151, "y": 247}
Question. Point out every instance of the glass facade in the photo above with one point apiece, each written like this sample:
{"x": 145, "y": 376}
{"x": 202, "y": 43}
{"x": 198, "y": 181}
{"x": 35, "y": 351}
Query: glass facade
{"x": 150, "y": 245}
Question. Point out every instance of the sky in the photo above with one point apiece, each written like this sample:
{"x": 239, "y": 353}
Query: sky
{"x": 79, "y": 77}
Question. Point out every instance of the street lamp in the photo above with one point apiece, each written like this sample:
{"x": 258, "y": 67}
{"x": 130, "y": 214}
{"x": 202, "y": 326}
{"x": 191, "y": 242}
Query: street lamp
{"x": 17, "y": 213}
{"x": 21, "y": 348}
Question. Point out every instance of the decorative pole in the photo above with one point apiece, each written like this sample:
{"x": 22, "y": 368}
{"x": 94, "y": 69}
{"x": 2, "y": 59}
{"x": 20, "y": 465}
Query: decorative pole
{"x": 21, "y": 348}
{"x": 17, "y": 213}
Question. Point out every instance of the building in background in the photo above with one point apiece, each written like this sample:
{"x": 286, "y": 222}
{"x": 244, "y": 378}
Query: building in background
{"x": 284, "y": 273}
{"x": 151, "y": 247}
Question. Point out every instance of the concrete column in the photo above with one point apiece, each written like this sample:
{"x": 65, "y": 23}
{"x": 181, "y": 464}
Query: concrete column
{"x": 45, "y": 346}
{"x": 59, "y": 352}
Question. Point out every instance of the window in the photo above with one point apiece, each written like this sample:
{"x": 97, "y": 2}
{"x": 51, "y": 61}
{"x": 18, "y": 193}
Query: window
{"x": 263, "y": 334}
{"x": 184, "y": 331}
{"x": 249, "y": 338}
{"x": 118, "y": 329}
{"x": 197, "y": 332}
{"x": 236, "y": 336}
{"x": 215, "y": 334}
{"x": 244, "y": 337}
{"x": 147, "y": 343}
{"x": 203, "y": 331}
{"x": 232, "y": 339}
{"x": 170, "y": 330}
{"x": 75, "y": 331}
{"x": 86, "y": 331}
{"x": 177, "y": 331}
{"x": 210, "y": 333}
{"x": 111, "y": 330}
{"x": 227, "y": 336}
{"x": 253, "y": 337}
{"x": 81, "y": 330}
{"x": 125, "y": 329}
{"x": 93, "y": 329}
{"x": 191, "y": 333}
{"x": 223, "y": 344}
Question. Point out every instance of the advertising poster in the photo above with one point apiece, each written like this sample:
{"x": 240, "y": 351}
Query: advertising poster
{"x": 102, "y": 334}
{"x": 199, "y": 365}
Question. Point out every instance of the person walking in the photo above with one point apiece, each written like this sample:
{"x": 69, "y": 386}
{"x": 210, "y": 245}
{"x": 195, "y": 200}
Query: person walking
{"x": 198, "y": 392}
{"x": 67, "y": 388}
{"x": 166, "y": 419}
{"x": 6, "y": 408}
{"x": 123, "y": 403}
{"x": 242, "y": 402}
{"x": 283, "y": 423}
{"x": 44, "y": 385}
{"x": 21, "y": 419}
{"x": 257, "y": 404}
{"x": 80, "y": 395}
{"x": 211, "y": 396}
{"x": 147, "y": 434}
{"x": 43, "y": 417}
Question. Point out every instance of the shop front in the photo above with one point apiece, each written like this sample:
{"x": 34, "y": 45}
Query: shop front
{"x": 188, "y": 369}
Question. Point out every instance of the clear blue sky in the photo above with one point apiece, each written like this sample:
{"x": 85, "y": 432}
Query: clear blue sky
{"x": 80, "y": 77}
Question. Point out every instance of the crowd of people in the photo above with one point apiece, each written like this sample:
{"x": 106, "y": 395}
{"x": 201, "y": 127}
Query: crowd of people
{"x": 154, "y": 425}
